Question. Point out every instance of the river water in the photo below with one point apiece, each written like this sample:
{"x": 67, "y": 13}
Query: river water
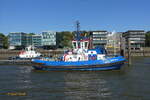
{"x": 129, "y": 83}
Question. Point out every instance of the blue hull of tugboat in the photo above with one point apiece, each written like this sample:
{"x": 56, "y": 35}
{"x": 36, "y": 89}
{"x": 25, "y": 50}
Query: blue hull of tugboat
{"x": 108, "y": 64}
{"x": 112, "y": 67}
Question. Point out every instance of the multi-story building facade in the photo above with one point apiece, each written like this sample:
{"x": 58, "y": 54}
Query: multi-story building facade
{"x": 48, "y": 38}
{"x": 28, "y": 39}
{"x": 16, "y": 39}
{"x": 37, "y": 40}
{"x": 136, "y": 38}
{"x": 99, "y": 38}
{"x": 34, "y": 40}
{"x": 23, "y": 40}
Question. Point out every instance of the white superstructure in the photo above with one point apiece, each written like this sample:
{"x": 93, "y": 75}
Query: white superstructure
{"x": 29, "y": 52}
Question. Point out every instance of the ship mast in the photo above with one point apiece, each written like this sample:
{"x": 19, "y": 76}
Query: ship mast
{"x": 77, "y": 30}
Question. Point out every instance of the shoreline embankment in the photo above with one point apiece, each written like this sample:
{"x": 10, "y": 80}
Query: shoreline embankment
{"x": 5, "y": 53}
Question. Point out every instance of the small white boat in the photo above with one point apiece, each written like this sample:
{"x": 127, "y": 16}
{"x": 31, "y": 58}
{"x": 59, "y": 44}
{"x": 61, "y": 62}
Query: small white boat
{"x": 29, "y": 53}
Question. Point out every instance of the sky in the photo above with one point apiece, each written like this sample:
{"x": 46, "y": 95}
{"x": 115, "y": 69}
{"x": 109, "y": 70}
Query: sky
{"x": 60, "y": 15}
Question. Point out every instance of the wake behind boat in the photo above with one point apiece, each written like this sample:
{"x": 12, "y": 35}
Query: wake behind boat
{"x": 81, "y": 58}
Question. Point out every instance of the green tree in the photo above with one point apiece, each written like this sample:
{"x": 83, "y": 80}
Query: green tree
{"x": 59, "y": 37}
{"x": 2, "y": 35}
{"x": 82, "y": 33}
{"x": 147, "y": 39}
{"x": 31, "y": 33}
{"x": 64, "y": 39}
{"x": 4, "y": 41}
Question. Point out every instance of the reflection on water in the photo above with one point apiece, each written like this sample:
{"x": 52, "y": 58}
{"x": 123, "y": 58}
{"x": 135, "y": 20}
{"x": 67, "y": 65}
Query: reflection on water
{"x": 85, "y": 85}
{"x": 24, "y": 77}
{"x": 129, "y": 83}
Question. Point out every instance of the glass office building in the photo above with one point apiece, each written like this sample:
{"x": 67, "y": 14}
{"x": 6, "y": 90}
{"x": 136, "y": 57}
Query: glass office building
{"x": 24, "y": 39}
{"x": 37, "y": 40}
{"x": 28, "y": 39}
{"x": 17, "y": 39}
{"x": 47, "y": 38}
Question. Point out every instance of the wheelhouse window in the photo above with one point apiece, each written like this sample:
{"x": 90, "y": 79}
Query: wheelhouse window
{"x": 86, "y": 45}
{"x": 74, "y": 45}
{"x": 79, "y": 45}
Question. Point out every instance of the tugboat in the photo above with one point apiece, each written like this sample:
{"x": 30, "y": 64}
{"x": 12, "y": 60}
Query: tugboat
{"x": 29, "y": 53}
{"x": 81, "y": 58}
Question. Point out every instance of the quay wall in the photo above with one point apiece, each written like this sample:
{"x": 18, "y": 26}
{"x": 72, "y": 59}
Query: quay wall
{"x": 144, "y": 52}
{"x": 15, "y": 62}
{"x": 5, "y": 54}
